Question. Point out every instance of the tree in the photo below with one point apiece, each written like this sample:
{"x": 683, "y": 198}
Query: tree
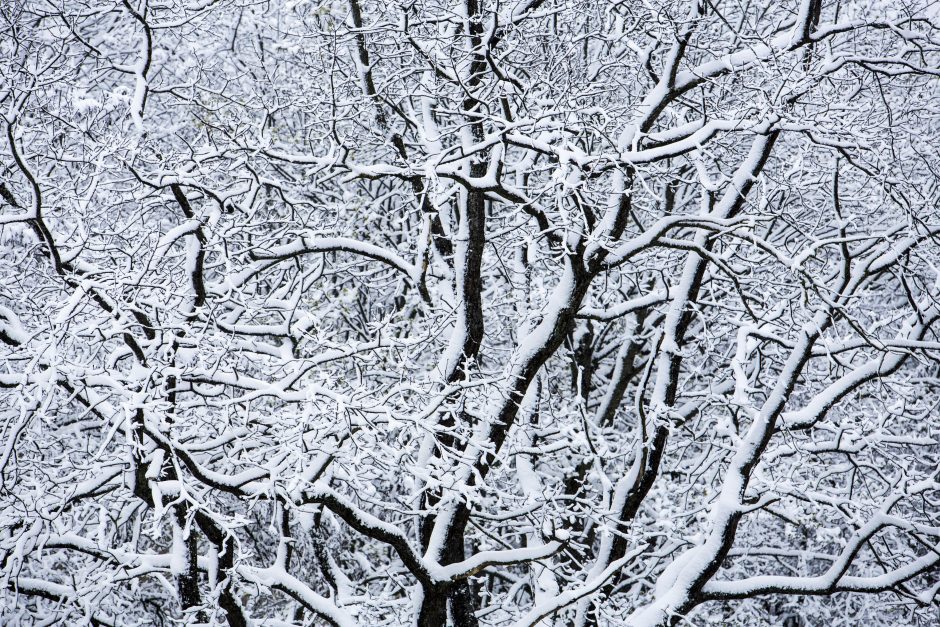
{"x": 475, "y": 313}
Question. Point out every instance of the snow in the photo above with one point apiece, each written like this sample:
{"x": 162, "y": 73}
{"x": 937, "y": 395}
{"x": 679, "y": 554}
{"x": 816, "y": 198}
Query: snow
{"x": 179, "y": 562}
{"x": 11, "y": 327}
{"x": 759, "y": 275}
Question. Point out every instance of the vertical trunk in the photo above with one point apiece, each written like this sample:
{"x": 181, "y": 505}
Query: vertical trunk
{"x": 468, "y": 261}
{"x": 187, "y": 582}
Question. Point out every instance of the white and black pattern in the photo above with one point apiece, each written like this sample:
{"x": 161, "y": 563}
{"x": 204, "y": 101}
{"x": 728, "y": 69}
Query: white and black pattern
{"x": 509, "y": 313}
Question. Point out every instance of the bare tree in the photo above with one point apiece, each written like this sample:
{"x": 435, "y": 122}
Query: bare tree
{"x": 523, "y": 312}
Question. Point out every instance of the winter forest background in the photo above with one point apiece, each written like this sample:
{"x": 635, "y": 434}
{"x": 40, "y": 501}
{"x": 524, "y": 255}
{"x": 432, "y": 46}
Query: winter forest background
{"x": 530, "y": 313}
